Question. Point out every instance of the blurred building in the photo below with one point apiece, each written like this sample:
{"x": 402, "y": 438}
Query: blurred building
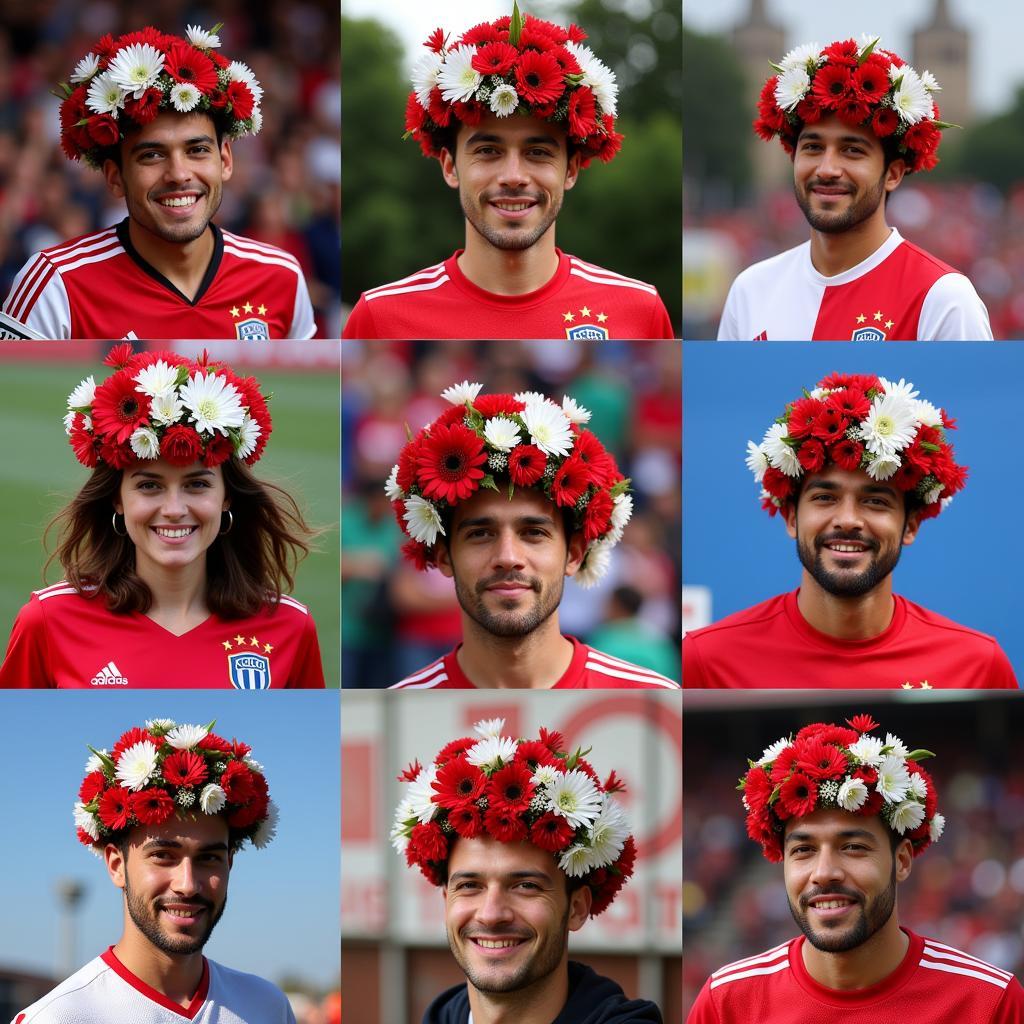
{"x": 944, "y": 49}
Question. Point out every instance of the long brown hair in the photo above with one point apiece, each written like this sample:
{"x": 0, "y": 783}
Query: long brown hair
{"x": 246, "y": 568}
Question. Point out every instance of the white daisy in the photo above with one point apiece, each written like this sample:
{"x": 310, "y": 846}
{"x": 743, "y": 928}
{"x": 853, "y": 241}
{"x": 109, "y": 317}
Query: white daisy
{"x": 757, "y": 460}
{"x": 936, "y": 827}
{"x": 158, "y": 726}
{"x": 145, "y": 443}
{"x": 882, "y": 467}
{"x": 622, "y": 512}
{"x": 257, "y": 119}
{"x": 391, "y": 488}
{"x": 502, "y": 433}
{"x": 545, "y": 775}
{"x": 462, "y": 394}
{"x": 86, "y": 68}
{"x": 504, "y": 100}
{"x": 927, "y": 413}
{"x": 136, "y": 68}
{"x": 549, "y": 427}
{"x": 200, "y": 37}
{"x": 929, "y": 82}
{"x": 890, "y": 425}
{"x": 896, "y": 746}
{"x": 599, "y": 77}
{"x": 105, "y": 95}
{"x": 212, "y": 798}
{"x": 529, "y": 397}
{"x": 492, "y": 752}
{"x": 868, "y": 750}
{"x": 239, "y": 72}
{"x": 157, "y": 379}
{"x": 575, "y": 797}
{"x": 487, "y": 728}
{"x": 575, "y": 861}
{"x": 166, "y": 409}
{"x": 420, "y": 795}
{"x": 457, "y": 78}
{"x": 185, "y": 97}
{"x": 69, "y": 421}
{"x": 918, "y": 787}
{"x": 852, "y": 794}
{"x": 792, "y": 87}
{"x": 779, "y": 454}
{"x": 595, "y": 565}
{"x": 82, "y": 396}
{"x": 424, "y": 76}
{"x": 577, "y": 413}
{"x": 253, "y": 765}
{"x": 400, "y": 829}
{"x": 86, "y": 821}
{"x": 185, "y": 737}
{"x": 932, "y": 496}
{"x": 907, "y": 816}
{"x": 422, "y": 520}
{"x": 248, "y": 434}
{"x": 801, "y": 56}
{"x": 893, "y": 779}
{"x": 94, "y": 763}
{"x": 215, "y": 403}
{"x": 910, "y": 98}
{"x": 608, "y": 834}
{"x": 136, "y": 765}
{"x": 772, "y": 752}
{"x": 899, "y": 389}
{"x": 267, "y": 829}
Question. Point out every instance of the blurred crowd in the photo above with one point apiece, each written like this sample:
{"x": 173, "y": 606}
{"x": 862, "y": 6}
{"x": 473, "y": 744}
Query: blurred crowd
{"x": 966, "y": 890}
{"x": 286, "y": 188}
{"x": 395, "y": 619}
{"x": 316, "y": 1011}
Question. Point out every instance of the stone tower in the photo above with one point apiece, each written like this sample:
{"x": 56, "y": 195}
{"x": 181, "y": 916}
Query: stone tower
{"x": 944, "y": 49}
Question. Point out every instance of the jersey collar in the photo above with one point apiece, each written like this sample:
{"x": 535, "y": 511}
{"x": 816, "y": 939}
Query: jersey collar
{"x": 570, "y": 678}
{"x": 527, "y": 299}
{"x": 188, "y": 1012}
{"x": 833, "y": 644}
{"x": 886, "y": 249}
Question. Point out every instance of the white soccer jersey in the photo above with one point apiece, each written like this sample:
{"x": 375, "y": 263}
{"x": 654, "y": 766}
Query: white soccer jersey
{"x": 104, "y": 991}
{"x": 899, "y": 293}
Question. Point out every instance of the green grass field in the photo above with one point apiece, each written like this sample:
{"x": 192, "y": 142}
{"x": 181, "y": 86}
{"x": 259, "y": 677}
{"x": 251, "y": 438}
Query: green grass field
{"x": 39, "y": 473}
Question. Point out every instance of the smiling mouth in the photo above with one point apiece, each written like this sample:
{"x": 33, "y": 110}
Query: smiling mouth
{"x": 174, "y": 532}
{"x": 185, "y": 913}
{"x": 179, "y": 201}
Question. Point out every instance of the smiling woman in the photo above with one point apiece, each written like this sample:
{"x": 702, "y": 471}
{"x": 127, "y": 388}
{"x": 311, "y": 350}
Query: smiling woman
{"x": 175, "y": 555}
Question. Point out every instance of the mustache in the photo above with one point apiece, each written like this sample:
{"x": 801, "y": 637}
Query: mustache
{"x": 828, "y": 890}
{"x": 843, "y": 538}
{"x": 518, "y": 578}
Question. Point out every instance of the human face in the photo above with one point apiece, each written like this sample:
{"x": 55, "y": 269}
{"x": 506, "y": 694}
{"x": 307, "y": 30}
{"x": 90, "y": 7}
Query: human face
{"x": 507, "y": 913}
{"x": 172, "y": 513}
{"x": 511, "y": 173}
{"x": 840, "y": 177}
{"x": 509, "y": 560}
{"x": 849, "y": 530}
{"x": 175, "y": 881}
{"x": 171, "y": 175}
{"x": 841, "y": 874}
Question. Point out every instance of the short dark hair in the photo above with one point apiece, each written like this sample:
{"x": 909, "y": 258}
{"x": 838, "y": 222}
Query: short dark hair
{"x": 448, "y": 514}
{"x": 115, "y": 152}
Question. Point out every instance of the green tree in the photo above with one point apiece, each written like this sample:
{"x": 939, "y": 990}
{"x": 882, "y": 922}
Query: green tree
{"x": 991, "y": 150}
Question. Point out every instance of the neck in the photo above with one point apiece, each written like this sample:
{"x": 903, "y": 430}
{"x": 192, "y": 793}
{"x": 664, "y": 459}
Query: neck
{"x": 175, "y": 976}
{"x": 182, "y": 263}
{"x": 868, "y": 964}
{"x": 179, "y": 595}
{"x": 538, "y": 1003}
{"x": 832, "y": 254}
{"x": 532, "y": 662}
{"x": 509, "y": 271}
{"x": 846, "y": 618}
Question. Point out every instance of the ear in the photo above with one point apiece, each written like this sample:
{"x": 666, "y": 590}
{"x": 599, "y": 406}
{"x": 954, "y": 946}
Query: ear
{"x": 448, "y": 170}
{"x": 118, "y": 504}
{"x": 894, "y": 173}
{"x": 789, "y": 514}
{"x": 227, "y": 160}
{"x": 910, "y": 528}
{"x": 116, "y": 863}
{"x": 572, "y": 170}
{"x": 575, "y": 554}
{"x": 579, "y": 907}
{"x": 112, "y": 175}
{"x": 443, "y": 559}
{"x": 904, "y": 860}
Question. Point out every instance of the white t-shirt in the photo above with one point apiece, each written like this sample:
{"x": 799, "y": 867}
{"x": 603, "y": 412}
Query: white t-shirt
{"x": 104, "y": 991}
{"x": 899, "y": 293}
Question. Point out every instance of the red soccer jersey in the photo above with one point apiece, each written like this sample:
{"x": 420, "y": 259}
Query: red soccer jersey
{"x": 98, "y": 286}
{"x": 588, "y": 670}
{"x": 581, "y": 302}
{"x": 62, "y": 639}
{"x": 935, "y": 984}
{"x": 772, "y": 646}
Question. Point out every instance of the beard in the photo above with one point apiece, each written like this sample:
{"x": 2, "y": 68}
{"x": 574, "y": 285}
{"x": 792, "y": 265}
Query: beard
{"x": 177, "y": 233}
{"x": 509, "y": 623}
{"x": 858, "y": 211}
{"x": 845, "y": 582}
{"x": 147, "y": 920}
{"x": 512, "y": 237}
{"x": 872, "y": 916}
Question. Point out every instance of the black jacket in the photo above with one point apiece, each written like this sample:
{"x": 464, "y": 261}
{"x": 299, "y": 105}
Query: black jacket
{"x": 592, "y": 1000}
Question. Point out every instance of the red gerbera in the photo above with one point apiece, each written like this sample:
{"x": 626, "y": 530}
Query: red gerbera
{"x": 757, "y": 789}
{"x": 455, "y": 749}
{"x": 144, "y": 109}
{"x": 414, "y": 114}
{"x": 181, "y": 445}
{"x": 526, "y": 464}
{"x": 510, "y": 788}
{"x": 506, "y": 826}
{"x": 862, "y": 723}
{"x": 458, "y": 783}
{"x": 571, "y": 481}
{"x": 851, "y": 402}
{"x": 798, "y": 795}
{"x": 183, "y": 768}
{"x": 598, "y": 516}
{"x": 782, "y": 764}
{"x": 907, "y": 477}
{"x": 495, "y": 59}
{"x": 241, "y": 99}
{"x": 152, "y": 806}
{"x": 554, "y": 741}
{"x": 469, "y": 112}
{"x": 551, "y": 832}
{"x": 92, "y": 786}
{"x": 845, "y": 52}
{"x": 811, "y": 455}
{"x": 438, "y": 108}
{"x": 885, "y": 122}
{"x": 587, "y": 448}
{"x": 808, "y": 110}
{"x": 847, "y": 454}
{"x": 115, "y": 808}
{"x": 427, "y": 842}
{"x": 211, "y": 741}
{"x": 148, "y": 35}
{"x": 467, "y": 821}
{"x": 871, "y": 82}
{"x": 184, "y": 63}
{"x": 802, "y": 414}
{"x": 436, "y": 40}
{"x": 237, "y": 783}
{"x": 866, "y": 774}
{"x": 118, "y": 410}
{"x": 871, "y": 806}
{"x": 582, "y": 113}
{"x": 827, "y": 733}
{"x": 485, "y": 33}
{"x": 831, "y": 84}
{"x": 240, "y": 749}
{"x": 448, "y": 463}
{"x": 820, "y": 760}
{"x": 539, "y": 77}
{"x": 609, "y": 142}
{"x": 776, "y": 483}
{"x": 129, "y": 739}
{"x": 84, "y": 443}
{"x": 219, "y": 449}
{"x": 418, "y": 553}
{"x": 534, "y": 753}
{"x": 494, "y": 405}
{"x": 853, "y": 111}
{"x": 829, "y": 425}
{"x": 410, "y": 773}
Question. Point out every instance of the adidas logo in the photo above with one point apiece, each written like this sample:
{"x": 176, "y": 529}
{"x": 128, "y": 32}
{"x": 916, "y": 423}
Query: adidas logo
{"x": 109, "y": 675}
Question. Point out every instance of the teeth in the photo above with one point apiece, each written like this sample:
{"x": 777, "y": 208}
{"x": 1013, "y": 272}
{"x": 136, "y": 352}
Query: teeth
{"x": 514, "y": 207}
{"x": 183, "y": 201}
{"x": 831, "y": 904}
{"x": 182, "y": 531}
{"x": 853, "y": 548}
{"x": 502, "y": 944}
{"x": 182, "y": 913}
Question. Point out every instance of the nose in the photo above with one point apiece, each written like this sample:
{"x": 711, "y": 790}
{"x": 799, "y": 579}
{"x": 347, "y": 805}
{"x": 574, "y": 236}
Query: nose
{"x": 494, "y": 908}
{"x": 513, "y": 172}
{"x": 508, "y": 551}
{"x": 828, "y": 163}
{"x": 173, "y": 505}
{"x": 826, "y": 869}
{"x": 184, "y": 882}
{"x": 846, "y": 514}
{"x": 176, "y": 168}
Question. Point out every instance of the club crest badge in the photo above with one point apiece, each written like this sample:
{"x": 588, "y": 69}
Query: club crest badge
{"x": 868, "y": 334}
{"x": 580, "y": 325}
{"x": 876, "y": 326}
{"x": 249, "y": 671}
{"x": 252, "y": 329}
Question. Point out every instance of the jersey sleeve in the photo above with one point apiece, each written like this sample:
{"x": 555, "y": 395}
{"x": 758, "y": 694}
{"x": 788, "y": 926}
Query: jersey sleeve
{"x": 703, "y": 1010}
{"x": 360, "y": 322}
{"x": 728, "y": 326}
{"x": 308, "y": 670}
{"x": 39, "y": 300}
{"x": 303, "y": 324}
{"x": 953, "y": 311}
{"x": 661, "y": 322}
{"x": 693, "y": 667}
{"x": 1010, "y": 1009}
{"x": 26, "y": 664}
{"x": 1001, "y": 675}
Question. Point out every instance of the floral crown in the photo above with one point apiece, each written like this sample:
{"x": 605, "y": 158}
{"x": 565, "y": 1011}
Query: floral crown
{"x": 832, "y": 766}
{"x": 479, "y": 441}
{"x": 122, "y": 84}
{"x": 516, "y": 791}
{"x": 162, "y": 405}
{"x": 864, "y": 86}
{"x": 859, "y": 422}
{"x": 514, "y": 65}
{"x": 166, "y": 768}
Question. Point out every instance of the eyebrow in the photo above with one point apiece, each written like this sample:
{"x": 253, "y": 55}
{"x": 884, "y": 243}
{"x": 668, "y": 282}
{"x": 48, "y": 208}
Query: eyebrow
{"x": 849, "y": 833}
{"x": 159, "y": 476}
{"x": 533, "y": 140}
{"x": 817, "y": 136}
{"x": 831, "y": 485}
{"x": 468, "y": 524}
{"x": 163, "y": 145}
{"x": 173, "y": 844}
{"x": 508, "y": 876}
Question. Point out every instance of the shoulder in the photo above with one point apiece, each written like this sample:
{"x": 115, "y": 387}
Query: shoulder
{"x": 434, "y": 676}
{"x": 620, "y": 673}
{"x": 254, "y": 989}
{"x": 769, "y": 269}
{"x": 62, "y": 598}
{"x": 422, "y": 281}
{"x": 83, "y": 250}
{"x": 755, "y": 617}
{"x": 925, "y": 260}
{"x": 742, "y": 975}
{"x": 595, "y": 999}
{"x": 80, "y": 999}
{"x": 946, "y": 629}
{"x": 289, "y": 607}
{"x": 937, "y": 956}
{"x": 259, "y": 252}
{"x": 450, "y": 1007}
{"x": 599, "y": 275}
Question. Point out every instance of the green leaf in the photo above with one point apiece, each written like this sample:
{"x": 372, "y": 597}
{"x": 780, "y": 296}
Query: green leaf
{"x": 620, "y": 488}
{"x": 919, "y": 755}
{"x": 516, "y": 26}
{"x": 107, "y": 761}
{"x": 941, "y": 125}
{"x": 866, "y": 52}
{"x": 777, "y": 68}
{"x": 488, "y": 482}
{"x": 929, "y": 447}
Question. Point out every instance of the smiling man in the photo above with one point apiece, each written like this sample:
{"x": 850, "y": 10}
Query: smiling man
{"x": 508, "y": 495}
{"x": 156, "y": 114}
{"x": 847, "y": 813}
{"x": 855, "y": 467}
{"x": 513, "y": 111}
{"x": 167, "y": 809}
{"x": 856, "y": 120}
{"x": 527, "y": 843}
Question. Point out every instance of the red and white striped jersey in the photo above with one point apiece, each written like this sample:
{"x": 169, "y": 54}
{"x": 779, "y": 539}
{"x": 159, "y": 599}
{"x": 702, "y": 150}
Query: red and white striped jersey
{"x": 899, "y": 293}
{"x": 581, "y": 302}
{"x": 98, "y": 286}
{"x": 588, "y": 670}
{"x": 935, "y": 984}
{"x": 104, "y": 991}
{"x": 66, "y": 640}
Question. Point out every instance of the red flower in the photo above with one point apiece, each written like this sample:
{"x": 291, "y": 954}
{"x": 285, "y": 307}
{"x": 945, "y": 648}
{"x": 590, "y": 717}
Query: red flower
{"x": 494, "y": 405}
{"x": 607, "y": 144}
{"x": 837, "y": 381}
{"x": 862, "y": 723}
{"x": 811, "y": 455}
{"x": 410, "y": 773}
{"x": 418, "y": 553}
{"x": 808, "y": 110}
{"x": 835, "y": 734}
{"x": 438, "y": 109}
{"x": 571, "y": 481}
{"x": 427, "y": 842}
{"x": 613, "y": 784}
{"x": 455, "y": 749}
{"x": 923, "y": 137}
{"x": 448, "y": 463}
{"x": 587, "y": 448}
{"x": 535, "y": 35}
{"x": 846, "y": 52}
{"x": 871, "y": 806}
{"x": 103, "y": 130}
{"x": 485, "y": 33}
{"x": 847, "y": 454}
{"x": 539, "y": 77}
{"x": 248, "y": 814}
{"x": 414, "y": 114}
{"x": 467, "y": 821}
{"x": 526, "y": 464}
{"x": 776, "y": 483}
{"x": 907, "y": 477}
{"x": 761, "y": 825}
{"x": 240, "y": 749}
{"x": 798, "y": 795}
{"x": 866, "y": 774}
{"x": 147, "y": 36}
{"x": 458, "y": 783}
{"x": 551, "y": 832}
{"x": 802, "y": 414}
{"x": 534, "y": 753}
{"x": 782, "y": 764}
{"x": 184, "y": 63}
{"x": 506, "y": 826}
{"x": 241, "y": 99}
{"x": 829, "y": 425}
{"x": 183, "y": 768}
{"x": 144, "y": 109}
{"x": 575, "y": 34}
{"x": 469, "y": 112}
{"x": 885, "y": 122}
{"x": 831, "y": 84}
{"x": 115, "y": 808}
{"x": 510, "y": 788}
{"x": 237, "y": 783}
{"x": 820, "y": 760}
{"x": 853, "y": 111}
{"x": 436, "y": 40}
{"x": 119, "y": 456}
{"x": 152, "y": 806}
{"x": 598, "y": 516}
{"x": 870, "y": 82}
{"x": 211, "y": 741}
{"x": 582, "y": 113}
{"x": 118, "y": 409}
{"x": 219, "y": 449}
{"x": 181, "y": 445}
{"x": 851, "y": 402}
{"x": 554, "y": 741}
{"x": 92, "y": 785}
{"x": 84, "y": 838}
{"x": 495, "y": 59}
{"x": 129, "y": 739}
{"x": 757, "y": 789}
{"x": 84, "y": 443}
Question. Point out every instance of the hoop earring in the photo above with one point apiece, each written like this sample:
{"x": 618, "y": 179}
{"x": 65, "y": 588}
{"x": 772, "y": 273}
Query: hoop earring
{"x": 113, "y": 525}
{"x": 231, "y": 522}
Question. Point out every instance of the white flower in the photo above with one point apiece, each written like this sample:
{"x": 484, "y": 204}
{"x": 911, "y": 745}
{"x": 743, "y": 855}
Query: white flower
{"x": 391, "y": 488}
{"x": 215, "y": 403}
{"x": 929, "y": 82}
{"x": 529, "y": 397}
{"x": 185, "y": 97}
{"x": 462, "y": 394}
{"x": 487, "y": 728}
{"x": 82, "y": 396}
{"x": 575, "y": 797}
{"x": 253, "y": 765}
{"x": 899, "y": 389}
{"x": 136, "y": 68}
{"x": 935, "y": 827}
{"x": 86, "y": 68}
{"x": 157, "y": 379}
{"x": 890, "y": 425}
{"x": 94, "y": 764}
{"x": 893, "y": 779}
{"x": 576, "y": 413}
{"x": 166, "y": 409}
{"x": 420, "y": 795}
{"x": 400, "y": 830}
{"x": 868, "y": 750}
{"x": 896, "y": 746}
{"x": 911, "y": 98}
{"x": 239, "y": 72}
{"x": 600, "y": 78}
{"x": 502, "y": 433}
{"x": 492, "y": 752}
{"x": 575, "y": 861}
{"x": 545, "y": 775}
{"x": 852, "y": 794}
{"x": 622, "y": 512}
{"x": 145, "y": 443}
{"x": 163, "y": 724}
{"x": 927, "y": 413}
{"x": 457, "y": 78}
{"x": 136, "y": 765}
{"x": 778, "y": 453}
{"x": 257, "y": 119}
{"x": 69, "y": 421}
{"x": 801, "y": 56}
{"x": 918, "y": 787}
{"x": 757, "y": 460}
{"x": 792, "y": 87}
{"x": 882, "y": 467}
{"x": 212, "y": 798}
{"x": 424, "y": 76}
{"x": 907, "y": 816}
{"x": 200, "y": 37}
{"x": 248, "y": 434}
{"x": 549, "y": 427}
{"x": 772, "y": 752}
{"x": 595, "y": 564}
{"x": 267, "y": 829}
{"x": 932, "y": 496}
{"x": 185, "y": 737}
{"x": 85, "y": 821}
{"x": 422, "y": 520}
{"x": 105, "y": 95}
{"x": 607, "y": 834}
{"x": 504, "y": 100}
